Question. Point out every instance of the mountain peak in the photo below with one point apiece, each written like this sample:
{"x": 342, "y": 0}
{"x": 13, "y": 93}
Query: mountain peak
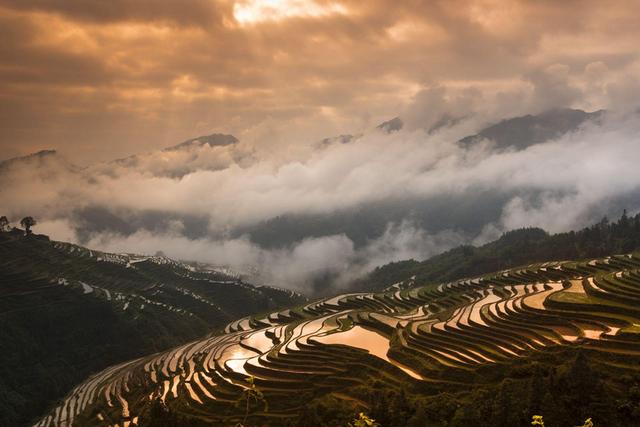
{"x": 524, "y": 131}
{"x": 43, "y": 153}
{"x": 390, "y": 126}
{"x": 340, "y": 139}
{"x": 39, "y": 155}
{"x": 213, "y": 140}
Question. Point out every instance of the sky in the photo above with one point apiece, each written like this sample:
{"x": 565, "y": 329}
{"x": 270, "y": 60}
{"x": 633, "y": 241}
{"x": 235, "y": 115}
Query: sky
{"x": 114, "y": 86}
{"x": 99, "y": 80}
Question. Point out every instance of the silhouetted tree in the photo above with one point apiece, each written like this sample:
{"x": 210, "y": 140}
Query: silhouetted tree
{"x": 27, "y": 222}
{"x": 4, "y": 223}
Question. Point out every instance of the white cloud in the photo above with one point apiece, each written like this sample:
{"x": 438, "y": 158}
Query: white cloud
{"x": 334, "y": 257}
{"x": 557, "y": 185}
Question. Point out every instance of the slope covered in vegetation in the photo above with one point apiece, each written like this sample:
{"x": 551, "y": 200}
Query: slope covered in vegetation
{"x": 518, "y": 247}
{"x": 558, "y": 338}
{"x": 67, "y": 312}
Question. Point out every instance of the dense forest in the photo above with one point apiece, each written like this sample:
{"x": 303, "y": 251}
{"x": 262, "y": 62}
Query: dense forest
{"x": 565, "y": 386}
{"x": 514, "y": 248}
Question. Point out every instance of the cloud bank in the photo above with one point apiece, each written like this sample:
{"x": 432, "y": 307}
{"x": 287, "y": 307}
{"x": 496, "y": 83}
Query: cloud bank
{"x": 429, "y": 183}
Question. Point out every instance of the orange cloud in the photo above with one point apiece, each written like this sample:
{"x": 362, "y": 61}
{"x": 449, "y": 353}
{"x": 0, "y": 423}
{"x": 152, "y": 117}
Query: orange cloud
{"x": 105, "y": 79}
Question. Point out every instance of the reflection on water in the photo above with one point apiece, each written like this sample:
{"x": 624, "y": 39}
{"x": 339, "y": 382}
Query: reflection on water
{"x": 576, "y": 287}
{"x": 475, "y": 317}
{"x": 234, "y": 358}
{"x": 537, "y": 300}
{"x": 259, "y": 341}
{"x": 192, "y": 393}
{"x": 373, "y": 342}
{"x": 497, "y": 320}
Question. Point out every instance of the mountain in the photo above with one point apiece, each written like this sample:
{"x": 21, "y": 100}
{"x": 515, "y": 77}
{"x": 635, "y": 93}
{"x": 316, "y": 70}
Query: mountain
{"x": 31, "y": 157}
{"x": 467, "y": 213}
{"x": 517, "y": 132}
{"x": 340, "y": 139}
{"x": 558, "y": 338}
{"x": 68, "y": 311}
{"x": 521, "y": 132}
{"x": 213, "y": 140}
{"x": 471, "y": 329}
{"x": 387, "y": 127}
{"x": 392, "y": 125}
{"x": 204, "y": 153}
{"x": 41, "y": 164}
{"x": 463, "y": 213}
{"x": 514, "y": 248}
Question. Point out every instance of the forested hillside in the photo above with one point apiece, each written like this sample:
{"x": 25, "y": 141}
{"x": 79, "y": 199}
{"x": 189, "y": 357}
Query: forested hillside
{"x": 518, "y": 247}
{"x": 558, "y": 339}
{"x": 67, "y": 311}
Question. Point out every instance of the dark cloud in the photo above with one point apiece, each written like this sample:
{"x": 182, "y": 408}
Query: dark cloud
{"x": 184, "y": 12}
{"x": 104, "y": 79}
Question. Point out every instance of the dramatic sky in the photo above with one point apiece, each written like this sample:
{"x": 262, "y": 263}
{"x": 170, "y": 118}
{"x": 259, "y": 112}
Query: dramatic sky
{"x": 125, "y": 79}
{"x": 103, "y": 79}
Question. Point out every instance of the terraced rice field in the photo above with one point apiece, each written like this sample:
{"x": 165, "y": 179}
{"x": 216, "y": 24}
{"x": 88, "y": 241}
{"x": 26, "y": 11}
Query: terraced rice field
{"x": 68, "y": 312}
{"x": 141, "y": 286}
{"x": 405, "y": 335}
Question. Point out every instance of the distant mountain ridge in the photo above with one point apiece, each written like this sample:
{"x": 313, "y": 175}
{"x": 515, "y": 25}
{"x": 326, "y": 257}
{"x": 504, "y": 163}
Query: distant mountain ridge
{"x": 518, "y": 132}
{"x": 465, "y": 213}
{"x": 393, "y": 125}
{"x": 514, "y": 248}
{"x": 213, "y": 140}
{"x": 522, "y": 132}
{"x": 42, "y": 164}
{"x": 39, "y": 155}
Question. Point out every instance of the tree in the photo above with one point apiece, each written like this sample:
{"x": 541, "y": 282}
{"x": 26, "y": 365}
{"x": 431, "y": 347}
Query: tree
{"x": 27, "y": 222}
{"x": 363, "y": 421}
{"x": 4, "y": 223}
{"x": 251, "y": 393}
{"x": 537, "y": 421}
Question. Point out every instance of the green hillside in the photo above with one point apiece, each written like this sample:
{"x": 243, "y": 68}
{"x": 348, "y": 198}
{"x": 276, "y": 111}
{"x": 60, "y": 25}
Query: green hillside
{"x": 67, "y": 312}
{"x": 518, "y": 247}
{"x": 557, "y": 338}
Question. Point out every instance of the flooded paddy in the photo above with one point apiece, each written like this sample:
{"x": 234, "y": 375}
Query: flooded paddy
{"x": 359, "y": 337}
